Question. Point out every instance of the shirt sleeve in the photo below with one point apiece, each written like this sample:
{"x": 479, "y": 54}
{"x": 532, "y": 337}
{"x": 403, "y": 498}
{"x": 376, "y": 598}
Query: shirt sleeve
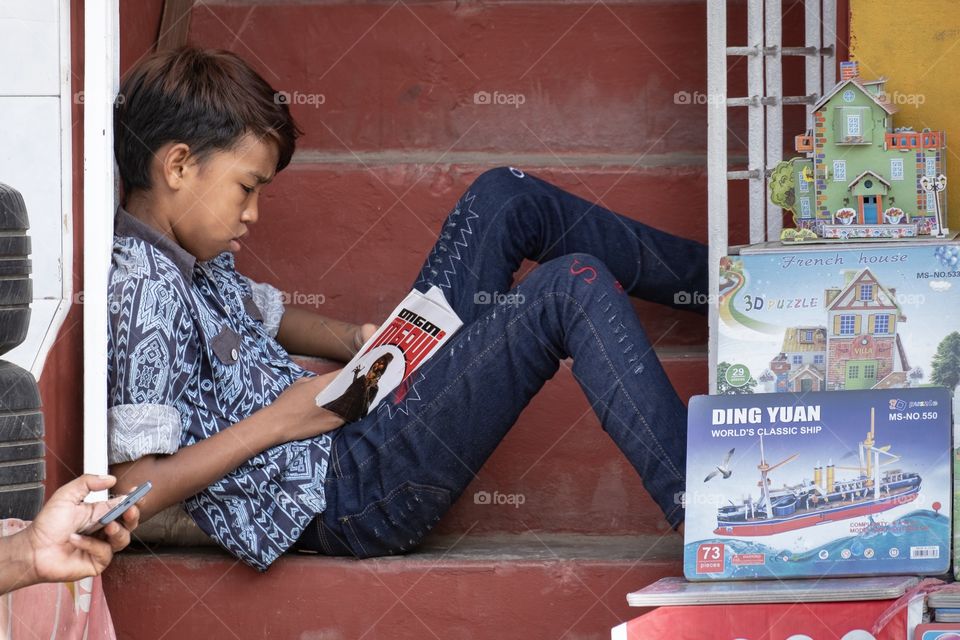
{"x": 152, "y": 350}
{"x": 269, "y": 301}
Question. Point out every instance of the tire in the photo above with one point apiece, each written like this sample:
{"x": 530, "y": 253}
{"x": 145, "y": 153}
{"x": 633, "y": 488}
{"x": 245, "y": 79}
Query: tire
{"x": 22, "y": 469}
{"x": 16, "y": 290}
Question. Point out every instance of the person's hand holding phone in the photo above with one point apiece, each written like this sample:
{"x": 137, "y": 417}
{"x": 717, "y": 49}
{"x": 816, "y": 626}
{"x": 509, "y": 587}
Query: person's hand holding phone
{"x": 59, "y": 552}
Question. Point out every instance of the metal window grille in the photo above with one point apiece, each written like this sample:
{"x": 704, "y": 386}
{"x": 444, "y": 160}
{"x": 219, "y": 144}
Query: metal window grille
{"x": 765, "y": 101}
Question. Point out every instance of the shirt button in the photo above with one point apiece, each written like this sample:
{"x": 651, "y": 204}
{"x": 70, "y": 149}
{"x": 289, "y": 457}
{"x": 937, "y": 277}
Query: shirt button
{"x": 234, "y": 354}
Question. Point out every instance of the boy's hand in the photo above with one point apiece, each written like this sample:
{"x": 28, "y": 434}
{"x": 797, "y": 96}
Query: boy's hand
{"x": 298, "y": 414}
{"x": 364, "y": 333}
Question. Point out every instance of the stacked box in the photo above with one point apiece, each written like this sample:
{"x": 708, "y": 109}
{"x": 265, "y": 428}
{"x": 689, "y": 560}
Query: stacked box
{"x": 845, "y": 318}
{"x": 818, "y": 484}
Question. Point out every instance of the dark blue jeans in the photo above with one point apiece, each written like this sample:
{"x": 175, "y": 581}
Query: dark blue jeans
{"x": 394, "y": 473}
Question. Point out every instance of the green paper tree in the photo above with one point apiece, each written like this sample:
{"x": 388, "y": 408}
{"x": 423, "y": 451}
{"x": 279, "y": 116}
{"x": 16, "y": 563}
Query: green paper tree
{"x": 946, "y": 362}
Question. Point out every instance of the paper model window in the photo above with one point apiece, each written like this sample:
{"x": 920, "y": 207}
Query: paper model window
{"x": 853, "y": 371}
{"x": 797, "y": 359}
{"x": 866, "y": 292}
{"x": 839, "y": 170}
{"x": 931, "y": 166}
{"x": 808, "y": 336}
{"x": 847, "y": 324}
{"x": 881, "y": 324}
{"x": 853, "y": 125}
{"x": 931, "y": 201}
{"x": 896, "y": 169}
{"x": 818, "y": 359}
{"x": 870, "y": 371}
{"x": 803, "y": 185}
{"x": 805, "y": 207}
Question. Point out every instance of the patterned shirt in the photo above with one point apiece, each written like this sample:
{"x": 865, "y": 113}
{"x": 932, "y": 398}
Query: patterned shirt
{"x": 192, "y": 352}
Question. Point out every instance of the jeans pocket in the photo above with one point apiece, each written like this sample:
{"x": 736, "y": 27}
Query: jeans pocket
{"x": 398, "y": 522}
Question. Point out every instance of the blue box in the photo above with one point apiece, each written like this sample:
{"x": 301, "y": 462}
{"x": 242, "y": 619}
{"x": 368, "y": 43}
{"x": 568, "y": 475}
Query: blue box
{"x": 796, "y": 485}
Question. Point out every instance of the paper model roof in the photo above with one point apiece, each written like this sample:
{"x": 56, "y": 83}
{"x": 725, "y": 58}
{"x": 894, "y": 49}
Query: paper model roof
{"x": 886, "y": 106}
{"x": 847, "y": 299}
{"x": 793, "y": 344}
{"x": 864, "y": 174}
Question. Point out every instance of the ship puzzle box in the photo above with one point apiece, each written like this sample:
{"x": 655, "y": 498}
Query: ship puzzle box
{"x": 813, "y": 484}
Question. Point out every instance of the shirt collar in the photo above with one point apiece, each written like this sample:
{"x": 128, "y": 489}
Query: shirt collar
{"x": 125, "y": 224}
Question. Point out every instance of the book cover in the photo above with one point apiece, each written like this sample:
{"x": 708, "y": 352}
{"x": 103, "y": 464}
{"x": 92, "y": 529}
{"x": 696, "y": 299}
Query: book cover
{"x": 818, "y": 484}
{"x": 411, "y": 334}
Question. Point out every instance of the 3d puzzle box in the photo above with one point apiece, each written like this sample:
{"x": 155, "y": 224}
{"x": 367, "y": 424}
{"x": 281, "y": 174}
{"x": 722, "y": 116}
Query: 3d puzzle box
{"x": 783, "y": 485}
{"x": 840, "y": 319}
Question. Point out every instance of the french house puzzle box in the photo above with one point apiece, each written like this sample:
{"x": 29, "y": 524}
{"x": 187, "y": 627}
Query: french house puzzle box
{"x": 796, "y": 485}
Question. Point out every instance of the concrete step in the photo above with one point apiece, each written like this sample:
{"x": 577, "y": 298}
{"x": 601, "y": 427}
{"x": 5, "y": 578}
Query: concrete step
{"x": 455, "y": 587}
{"x": 564, "y": 473}
{"x": 348, "y": 240}
{"x": 620, "y": 76}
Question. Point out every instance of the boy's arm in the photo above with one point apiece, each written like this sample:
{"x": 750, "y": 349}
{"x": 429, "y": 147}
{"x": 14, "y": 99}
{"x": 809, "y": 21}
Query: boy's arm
{"x": 311, "y": 334}
{"x": 175, "y": 477}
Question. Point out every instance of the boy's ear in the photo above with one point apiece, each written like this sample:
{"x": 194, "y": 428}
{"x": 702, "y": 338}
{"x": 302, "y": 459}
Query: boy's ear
{"x": 175, "y": 162}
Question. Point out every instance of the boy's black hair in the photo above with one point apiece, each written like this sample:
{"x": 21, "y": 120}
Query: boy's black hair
{"x": 206, "y": 98}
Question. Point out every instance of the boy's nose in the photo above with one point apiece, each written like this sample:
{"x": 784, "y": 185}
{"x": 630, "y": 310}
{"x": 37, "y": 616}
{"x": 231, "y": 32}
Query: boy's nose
{"x": 251, "y": 213}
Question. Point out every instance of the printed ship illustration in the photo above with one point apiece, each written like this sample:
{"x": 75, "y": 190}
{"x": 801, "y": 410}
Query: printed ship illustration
{"x": 825, "y": 499}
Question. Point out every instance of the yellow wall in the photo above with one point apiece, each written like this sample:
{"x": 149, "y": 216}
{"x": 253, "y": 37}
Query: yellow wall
{"x": 916, "y": 45}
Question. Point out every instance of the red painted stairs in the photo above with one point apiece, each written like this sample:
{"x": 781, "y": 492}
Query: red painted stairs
{"x": 613, "y": 110}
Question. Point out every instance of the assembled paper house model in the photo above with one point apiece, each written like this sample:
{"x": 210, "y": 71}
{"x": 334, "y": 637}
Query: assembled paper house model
{"x": 861, "y": 177}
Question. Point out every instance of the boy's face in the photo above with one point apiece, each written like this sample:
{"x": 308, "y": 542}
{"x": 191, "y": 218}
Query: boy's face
{"x": 219, "y": 197}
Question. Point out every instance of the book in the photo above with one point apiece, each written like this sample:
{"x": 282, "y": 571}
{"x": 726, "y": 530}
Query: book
{"x": 674, "y": 591}
{"x": 947, "y": 597}
{"x": 416, "y": 329}
{"x": 945, "y": 614}
{"x": 818, "y": 484}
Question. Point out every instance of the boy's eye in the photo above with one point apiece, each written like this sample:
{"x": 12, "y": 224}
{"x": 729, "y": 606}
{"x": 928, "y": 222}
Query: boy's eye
{"x": 246, "y": 188}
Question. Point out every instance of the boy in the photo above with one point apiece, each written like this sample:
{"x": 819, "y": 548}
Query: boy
{"x": 206, "y": 403}
{"x": 191, "y": 341}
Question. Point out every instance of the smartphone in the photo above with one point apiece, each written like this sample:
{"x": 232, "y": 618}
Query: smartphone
{"x": 119, "y": 509}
